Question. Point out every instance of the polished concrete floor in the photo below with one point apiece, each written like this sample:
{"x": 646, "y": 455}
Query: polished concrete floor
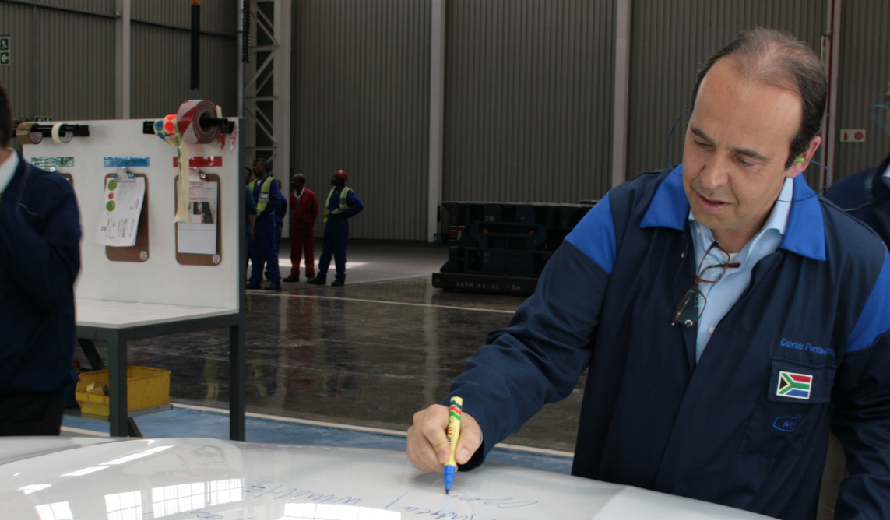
{"x": 368, "y": 354}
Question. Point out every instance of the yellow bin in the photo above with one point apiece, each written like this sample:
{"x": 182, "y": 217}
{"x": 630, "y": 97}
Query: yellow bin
{"x": 146, "y": 388}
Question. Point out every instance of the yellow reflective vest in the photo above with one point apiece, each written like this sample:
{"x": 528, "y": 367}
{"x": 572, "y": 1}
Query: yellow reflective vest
{"x": 340, "y": 209}
{"x": 264, "y": 194}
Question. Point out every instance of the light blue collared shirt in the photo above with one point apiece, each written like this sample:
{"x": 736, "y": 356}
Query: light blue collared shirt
{"x": 721, "y": 296}
{"x": 7, "y": 169}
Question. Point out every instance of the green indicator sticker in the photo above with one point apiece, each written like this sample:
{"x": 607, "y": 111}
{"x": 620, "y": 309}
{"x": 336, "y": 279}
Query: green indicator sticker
{"x": 110, "y": 205}
{"x": 50, "y": 162}
{"x": 112, "y": 185}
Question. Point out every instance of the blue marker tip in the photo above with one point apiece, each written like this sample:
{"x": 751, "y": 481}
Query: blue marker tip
{"x": 448, "y": 475}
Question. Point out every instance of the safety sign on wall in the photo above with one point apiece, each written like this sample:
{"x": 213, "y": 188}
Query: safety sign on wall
{"x": 4, "y": 50}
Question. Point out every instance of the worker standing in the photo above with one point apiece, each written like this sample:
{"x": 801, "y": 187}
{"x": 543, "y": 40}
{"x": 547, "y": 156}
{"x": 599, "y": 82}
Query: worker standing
{"x": 303, "y": 213}
{"x": 342, "y": 203}
{"x": 262, "y": 249}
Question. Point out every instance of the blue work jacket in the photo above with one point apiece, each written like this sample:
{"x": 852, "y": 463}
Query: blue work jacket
{"x": 39, "y": 261}
{"x": 335, "y": 212}
{"x": 804, "y": 349}
{"x": 866, "y": 196}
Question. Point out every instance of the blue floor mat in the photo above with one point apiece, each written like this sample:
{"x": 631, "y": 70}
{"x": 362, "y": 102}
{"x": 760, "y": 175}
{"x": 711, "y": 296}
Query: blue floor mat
{"x": 183, "y": 422}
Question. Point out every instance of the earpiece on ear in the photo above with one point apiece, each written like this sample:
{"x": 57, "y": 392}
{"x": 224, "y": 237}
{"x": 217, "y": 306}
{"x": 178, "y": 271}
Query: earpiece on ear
{"x": 799, "y": 159}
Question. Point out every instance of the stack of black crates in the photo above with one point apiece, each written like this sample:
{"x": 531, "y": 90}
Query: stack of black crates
{"x": 500, "y": 247}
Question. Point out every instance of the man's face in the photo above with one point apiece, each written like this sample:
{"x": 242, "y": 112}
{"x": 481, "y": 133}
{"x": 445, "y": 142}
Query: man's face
{"x": 335, "y": 180}
{"x": 259, "y": 169}
{"x": 297, "y": 183}
{"x": 738, "y": 139}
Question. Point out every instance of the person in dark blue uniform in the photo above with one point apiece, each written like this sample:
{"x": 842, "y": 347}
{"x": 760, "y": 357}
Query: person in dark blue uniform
{"x": 728, "y": 317}
{"x": 39, "y": 262}
{"x": 342, "y": 204}
{"x": 280, "y": 212}
{"x": 261, "y": 249}
{"x": 866, "y": 195}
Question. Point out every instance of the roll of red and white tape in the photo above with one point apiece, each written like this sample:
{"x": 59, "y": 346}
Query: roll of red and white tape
{"x": 189, "y": 119}
{"x": 60, "y": 139}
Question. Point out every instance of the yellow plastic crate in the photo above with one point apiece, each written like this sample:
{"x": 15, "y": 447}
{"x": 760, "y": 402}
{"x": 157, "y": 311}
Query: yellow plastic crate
{"x": 146, "y": 388}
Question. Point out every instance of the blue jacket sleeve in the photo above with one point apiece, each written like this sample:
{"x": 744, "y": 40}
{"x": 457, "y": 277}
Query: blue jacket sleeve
{"x": 861, "y": 417}
{"x": 44, "y": 264}
{"x": 539, "y": 357}
{"x": 278, "y": 200}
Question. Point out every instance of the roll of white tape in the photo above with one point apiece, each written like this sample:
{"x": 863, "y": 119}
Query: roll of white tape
{"x": 65, "y": 138}
{"x": 189, "y": 119}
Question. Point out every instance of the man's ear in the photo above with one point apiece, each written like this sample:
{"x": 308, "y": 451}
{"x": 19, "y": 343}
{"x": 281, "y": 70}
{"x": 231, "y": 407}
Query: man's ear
{"x": 801, "y": 162}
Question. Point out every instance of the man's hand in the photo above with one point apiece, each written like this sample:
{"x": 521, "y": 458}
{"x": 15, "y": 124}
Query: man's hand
{"x": 428, "y": 440}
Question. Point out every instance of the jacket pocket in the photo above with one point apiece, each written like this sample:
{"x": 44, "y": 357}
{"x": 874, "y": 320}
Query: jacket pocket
{"x": 796, "y": 400}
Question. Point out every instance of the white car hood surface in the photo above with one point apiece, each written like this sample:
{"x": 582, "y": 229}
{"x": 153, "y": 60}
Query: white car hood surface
{"x": 66, "y": 478}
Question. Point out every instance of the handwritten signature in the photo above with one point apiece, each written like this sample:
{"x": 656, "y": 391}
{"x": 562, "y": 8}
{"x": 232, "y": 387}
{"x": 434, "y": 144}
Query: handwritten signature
{"x": 500, "y": 503}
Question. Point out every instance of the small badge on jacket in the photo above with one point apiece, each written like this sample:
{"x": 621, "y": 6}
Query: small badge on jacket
{"x": 794, "y": 385}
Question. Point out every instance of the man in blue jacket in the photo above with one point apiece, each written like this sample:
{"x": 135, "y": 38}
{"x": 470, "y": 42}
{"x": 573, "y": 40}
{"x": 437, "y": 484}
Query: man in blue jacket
{"x": 729, "y": 317}
{"x": 866, "y": 195}
{"x": 39, "y": 261}
{"x": 342, "y": 204}
{"x": 262, "y": 248}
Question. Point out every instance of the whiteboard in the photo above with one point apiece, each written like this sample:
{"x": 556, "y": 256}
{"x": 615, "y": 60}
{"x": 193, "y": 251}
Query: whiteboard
{"x": 225, "y": 480}
{"x": 160, "y": 279}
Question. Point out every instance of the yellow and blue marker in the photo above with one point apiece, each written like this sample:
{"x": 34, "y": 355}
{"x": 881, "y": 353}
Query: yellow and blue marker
{"x": 457, "y": 406}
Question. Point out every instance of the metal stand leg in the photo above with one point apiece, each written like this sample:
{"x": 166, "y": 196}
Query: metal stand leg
{"x": 117, "y": 379}
{"x": 237, "y": 379}
{"x": 132, "y": 429}
{"x": 89, "y": 350}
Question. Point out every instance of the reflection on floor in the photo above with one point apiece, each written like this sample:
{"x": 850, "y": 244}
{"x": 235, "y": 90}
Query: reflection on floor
{"x": 369, "y": 354}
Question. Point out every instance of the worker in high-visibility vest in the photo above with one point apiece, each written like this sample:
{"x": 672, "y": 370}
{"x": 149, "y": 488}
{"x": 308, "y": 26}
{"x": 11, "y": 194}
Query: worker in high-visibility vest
{"x": 262, "y": 248}
{"x": 342, "y": 203}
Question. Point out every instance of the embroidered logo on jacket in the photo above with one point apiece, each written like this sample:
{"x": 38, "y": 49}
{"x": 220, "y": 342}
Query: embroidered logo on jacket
{"x": 794, "y": 385}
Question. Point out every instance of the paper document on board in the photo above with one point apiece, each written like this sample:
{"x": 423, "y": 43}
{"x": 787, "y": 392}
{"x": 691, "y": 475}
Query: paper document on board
{"x": 197, "y": 234}
{"x": 119, "y": 220}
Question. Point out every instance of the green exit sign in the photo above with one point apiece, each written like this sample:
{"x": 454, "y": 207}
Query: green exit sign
{"x": 4, "y": 50}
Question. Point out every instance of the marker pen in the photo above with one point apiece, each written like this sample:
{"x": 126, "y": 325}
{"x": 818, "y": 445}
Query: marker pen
{"x": 457, "y": 406}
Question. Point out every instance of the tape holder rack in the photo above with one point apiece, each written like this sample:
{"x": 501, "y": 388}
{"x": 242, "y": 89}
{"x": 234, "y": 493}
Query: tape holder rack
{"x": 225, "y": 126}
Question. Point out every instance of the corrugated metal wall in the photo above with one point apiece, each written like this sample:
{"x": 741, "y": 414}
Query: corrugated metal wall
{"x": 528, "y": 100}
{"x": 69, "y": 71}
{"x": 863, "y": 82}
{"x": 361, "y": 103}
{"x": 671, "y": 40}
{"x": 161, "y": 62}
{"x": 61, "y": 63}
{"x": 528, "y": 95}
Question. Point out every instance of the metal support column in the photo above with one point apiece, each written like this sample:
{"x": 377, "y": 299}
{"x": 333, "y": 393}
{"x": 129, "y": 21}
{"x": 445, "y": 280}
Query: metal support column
{"x": 122, "y": 46}
{"x": 267, "y": 87}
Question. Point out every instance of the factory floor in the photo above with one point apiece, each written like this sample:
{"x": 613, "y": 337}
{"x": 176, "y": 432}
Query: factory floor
{"x": 367, "y": 355}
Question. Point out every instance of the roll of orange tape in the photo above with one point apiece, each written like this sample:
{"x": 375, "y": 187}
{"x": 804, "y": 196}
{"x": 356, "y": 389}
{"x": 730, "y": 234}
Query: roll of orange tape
{"x": 24, "y": 135}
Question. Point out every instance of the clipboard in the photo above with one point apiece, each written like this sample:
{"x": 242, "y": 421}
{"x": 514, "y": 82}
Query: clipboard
{"x": 138, "y": 252}
{"x": 197, "y": 258}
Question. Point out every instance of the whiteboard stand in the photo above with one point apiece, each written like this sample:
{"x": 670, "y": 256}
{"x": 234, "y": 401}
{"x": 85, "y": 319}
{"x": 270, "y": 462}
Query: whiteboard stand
{"x": 117, "y": 323}
{"x": 119, "y": 301}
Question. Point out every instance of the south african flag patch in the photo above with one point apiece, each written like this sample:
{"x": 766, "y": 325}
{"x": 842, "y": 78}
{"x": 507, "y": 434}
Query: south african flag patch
{"x": 794, "y": 385}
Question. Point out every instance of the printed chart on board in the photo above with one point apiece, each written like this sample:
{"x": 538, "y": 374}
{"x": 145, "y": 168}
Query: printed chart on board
{"x": 119, "y": 218}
